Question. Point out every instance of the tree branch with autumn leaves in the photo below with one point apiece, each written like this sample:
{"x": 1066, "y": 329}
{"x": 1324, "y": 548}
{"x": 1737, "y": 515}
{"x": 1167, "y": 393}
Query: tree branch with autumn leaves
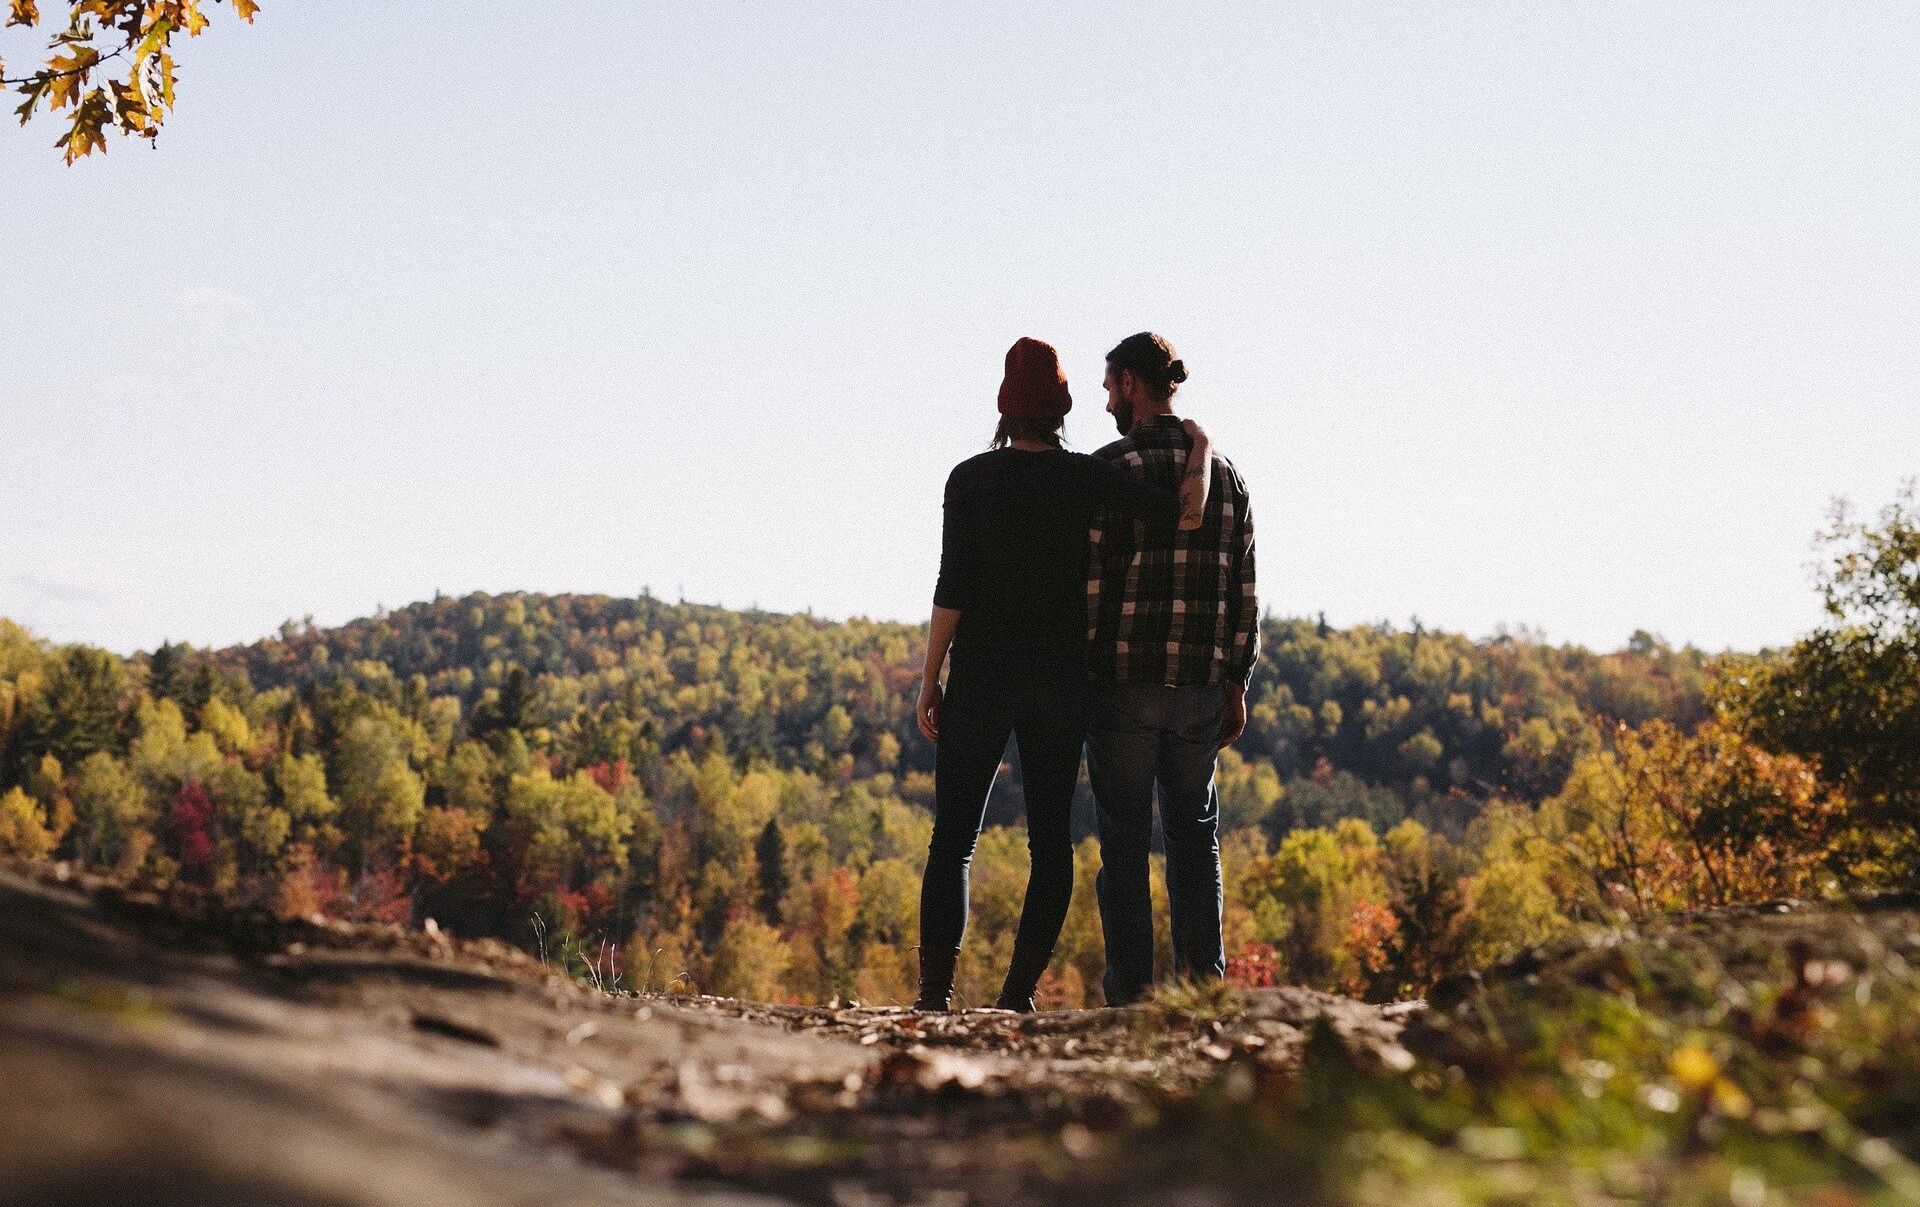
{"x": 139, "y": 35}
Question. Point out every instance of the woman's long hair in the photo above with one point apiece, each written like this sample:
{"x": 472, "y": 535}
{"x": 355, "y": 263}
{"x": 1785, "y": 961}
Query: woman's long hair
{"x": 1044, "y": 431}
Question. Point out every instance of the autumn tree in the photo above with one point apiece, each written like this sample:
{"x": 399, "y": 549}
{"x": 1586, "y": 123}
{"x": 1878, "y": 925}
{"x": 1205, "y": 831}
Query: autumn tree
{"x": 114, "y": 813}
{"x": 748, "y": 962}
{"x": 78, "y": 709}
{"x": 251, "y": 827}
{"x": 1426, "y": 874}
{"x": 1322, "y": 901}
{"x": 23, "y": 659}
{"x": 564, "y": 843}
{"x": 449, "y": 865}
{"x": 1666, "y": 820}
{"x": 24, "y": 832}
{"x": 109, "y": 65}
{"x": 821, "y": 914}
{"x": 468, "y": 778}
{"x": 1512, "y": 901}
{"x": 301, "y": 783}
{"x": 1847, "y": 697}
{"x": 381, "y": 798}
{"x": 189, "y": 824}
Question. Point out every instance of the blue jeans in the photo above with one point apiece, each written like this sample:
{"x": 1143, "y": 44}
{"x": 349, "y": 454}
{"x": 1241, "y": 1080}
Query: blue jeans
{"x": 1142, "y": 734}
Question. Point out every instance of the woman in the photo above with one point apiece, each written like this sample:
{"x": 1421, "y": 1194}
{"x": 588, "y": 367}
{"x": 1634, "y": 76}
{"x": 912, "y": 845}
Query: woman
{"x": 1011, "y": 609}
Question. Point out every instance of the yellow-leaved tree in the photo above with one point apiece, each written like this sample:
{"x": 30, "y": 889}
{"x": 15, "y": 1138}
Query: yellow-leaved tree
{"x": 109, "y": 64}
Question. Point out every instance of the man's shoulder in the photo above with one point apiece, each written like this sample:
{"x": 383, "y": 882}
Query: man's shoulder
{"x": 1228, "y": 474}
{"x": 1118, "y": 450}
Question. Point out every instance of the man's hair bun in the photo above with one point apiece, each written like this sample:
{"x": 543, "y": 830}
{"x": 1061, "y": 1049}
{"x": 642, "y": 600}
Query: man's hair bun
{"x": 1152, "y": 359}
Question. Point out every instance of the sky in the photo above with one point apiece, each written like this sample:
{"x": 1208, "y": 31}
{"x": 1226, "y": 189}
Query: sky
{"x": 1568, "y": 316}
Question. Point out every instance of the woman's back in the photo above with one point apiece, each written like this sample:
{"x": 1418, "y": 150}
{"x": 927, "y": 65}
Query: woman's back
{"x": 1014, "y": 554}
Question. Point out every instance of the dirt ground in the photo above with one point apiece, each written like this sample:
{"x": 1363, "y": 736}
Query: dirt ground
{"x": 162, "y": 1051}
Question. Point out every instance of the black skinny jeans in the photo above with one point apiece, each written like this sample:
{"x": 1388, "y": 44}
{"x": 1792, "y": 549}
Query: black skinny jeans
{"x": 1045, "y": 711}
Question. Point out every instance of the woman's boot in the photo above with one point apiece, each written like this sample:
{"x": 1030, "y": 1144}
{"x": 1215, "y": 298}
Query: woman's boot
{"x": 1023, "y": 977}
{"x": 936, "y": 978}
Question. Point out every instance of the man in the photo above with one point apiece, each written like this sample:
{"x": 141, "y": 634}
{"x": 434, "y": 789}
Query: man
{"x": 1174, "y": 630}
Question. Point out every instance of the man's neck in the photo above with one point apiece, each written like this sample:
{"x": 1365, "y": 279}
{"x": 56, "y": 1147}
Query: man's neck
{"x": 1144, "y": 416}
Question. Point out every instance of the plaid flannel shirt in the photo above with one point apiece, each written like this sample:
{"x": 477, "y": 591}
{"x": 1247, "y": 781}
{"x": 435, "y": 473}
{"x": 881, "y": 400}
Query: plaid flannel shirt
{"x": 1183, "y": 614}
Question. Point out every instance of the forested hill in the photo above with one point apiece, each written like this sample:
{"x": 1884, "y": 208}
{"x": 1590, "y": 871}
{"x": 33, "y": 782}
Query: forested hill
{"x": 671, "y": 794}
{"x": 1368, "y": 720}
{"x": 741, "y": 801}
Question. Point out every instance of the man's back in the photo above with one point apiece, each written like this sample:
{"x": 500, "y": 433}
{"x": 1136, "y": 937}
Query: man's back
{"x": 1170, "y": 607}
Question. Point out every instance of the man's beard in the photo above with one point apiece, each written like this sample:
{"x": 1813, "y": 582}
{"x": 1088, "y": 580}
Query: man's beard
{"x": 1123, "y": 417}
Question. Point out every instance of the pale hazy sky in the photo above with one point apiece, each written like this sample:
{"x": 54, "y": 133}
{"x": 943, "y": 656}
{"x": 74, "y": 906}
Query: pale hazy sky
{"x": 1568, "y": 315}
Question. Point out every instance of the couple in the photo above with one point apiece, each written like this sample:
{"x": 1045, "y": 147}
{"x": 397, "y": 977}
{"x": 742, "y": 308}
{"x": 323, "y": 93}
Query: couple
{"x": 1104, "y": 601}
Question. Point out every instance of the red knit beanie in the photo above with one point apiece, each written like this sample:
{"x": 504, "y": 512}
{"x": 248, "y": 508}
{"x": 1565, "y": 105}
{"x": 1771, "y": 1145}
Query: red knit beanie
{"x": 1034, "y": 387}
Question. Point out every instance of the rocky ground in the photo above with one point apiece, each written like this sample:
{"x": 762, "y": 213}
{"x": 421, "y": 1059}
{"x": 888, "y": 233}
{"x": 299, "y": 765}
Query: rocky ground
{"x": 159, "y": 1050}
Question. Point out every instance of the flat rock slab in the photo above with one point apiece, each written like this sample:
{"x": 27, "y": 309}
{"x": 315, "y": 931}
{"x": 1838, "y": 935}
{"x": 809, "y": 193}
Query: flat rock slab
{"x": 140, "y": 1073}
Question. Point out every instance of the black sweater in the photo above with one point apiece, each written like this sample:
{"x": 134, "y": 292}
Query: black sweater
{"x": 1013, "y": 553}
